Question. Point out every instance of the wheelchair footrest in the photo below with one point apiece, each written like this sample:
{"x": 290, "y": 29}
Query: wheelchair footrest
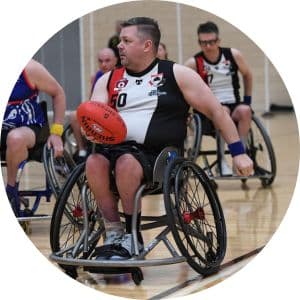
{"x": 34, "y": 218}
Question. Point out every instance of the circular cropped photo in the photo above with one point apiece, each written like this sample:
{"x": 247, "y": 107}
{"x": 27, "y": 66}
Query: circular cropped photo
{"x": 197, "y": 161}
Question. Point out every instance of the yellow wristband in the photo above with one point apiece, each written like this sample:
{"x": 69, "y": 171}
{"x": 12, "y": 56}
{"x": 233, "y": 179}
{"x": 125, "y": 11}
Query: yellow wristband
{"x": 57, "y": 129}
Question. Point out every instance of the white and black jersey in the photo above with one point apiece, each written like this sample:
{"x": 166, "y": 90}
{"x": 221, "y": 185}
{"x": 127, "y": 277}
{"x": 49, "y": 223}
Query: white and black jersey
{"x": 151, "y": 104}
{"x": 221, "y": 76}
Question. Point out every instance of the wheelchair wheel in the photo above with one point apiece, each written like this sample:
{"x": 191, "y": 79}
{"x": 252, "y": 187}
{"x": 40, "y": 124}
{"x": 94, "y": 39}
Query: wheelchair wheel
{"x": 261, "y": 151}
{"x": 76, "y": 224}
{"x": 57, "y": 169}
{"x": 195, "y": 216}
{"x": 69, "y": 140}
{"x": 193, "y": 139}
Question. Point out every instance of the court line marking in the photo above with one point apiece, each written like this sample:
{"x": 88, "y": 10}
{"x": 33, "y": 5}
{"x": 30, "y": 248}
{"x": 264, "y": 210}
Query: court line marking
{"x": 209, "y": 279}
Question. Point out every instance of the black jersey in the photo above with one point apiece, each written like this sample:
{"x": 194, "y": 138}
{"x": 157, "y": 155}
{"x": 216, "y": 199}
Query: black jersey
{"x": 151, "y": 104}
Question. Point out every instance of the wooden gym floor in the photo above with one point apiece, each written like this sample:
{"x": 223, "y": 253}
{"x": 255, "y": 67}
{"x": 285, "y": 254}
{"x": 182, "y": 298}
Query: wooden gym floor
{"x": 252, "y": 216}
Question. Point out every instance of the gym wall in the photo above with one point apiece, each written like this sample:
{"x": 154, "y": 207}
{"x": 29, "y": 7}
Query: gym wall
{"x": 71, "y": 54}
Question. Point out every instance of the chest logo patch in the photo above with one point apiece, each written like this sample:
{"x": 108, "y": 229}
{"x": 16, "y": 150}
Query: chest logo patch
{"x": 157, "y": 80}
{"x": 121, "y": 84}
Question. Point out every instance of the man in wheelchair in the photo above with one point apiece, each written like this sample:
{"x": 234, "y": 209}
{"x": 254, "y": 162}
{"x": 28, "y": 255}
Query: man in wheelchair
{"x": 153, "y": 97}
{"x": 24, "y": 127}
{"x": 219, "y": 68}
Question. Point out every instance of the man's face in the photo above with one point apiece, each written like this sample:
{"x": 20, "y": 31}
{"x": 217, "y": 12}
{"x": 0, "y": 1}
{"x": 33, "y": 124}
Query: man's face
{"x": 131, "y": 46}
{"x": 209, "y": 42}
{"x": 107, "y": 61}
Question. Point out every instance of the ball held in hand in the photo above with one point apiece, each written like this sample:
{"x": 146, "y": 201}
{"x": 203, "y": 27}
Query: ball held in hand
{"x": 100, "y": 123}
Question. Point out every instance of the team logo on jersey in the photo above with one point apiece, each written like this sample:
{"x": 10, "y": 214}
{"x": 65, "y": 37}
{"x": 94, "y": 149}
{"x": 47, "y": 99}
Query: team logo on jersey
{"x": 139, "y": 81}
{"x": 157, "y": 80}
{"x": 121, "y": 84}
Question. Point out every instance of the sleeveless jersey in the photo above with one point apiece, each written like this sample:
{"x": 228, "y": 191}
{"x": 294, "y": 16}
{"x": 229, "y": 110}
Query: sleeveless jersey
{"x": 151, "y": 104}
{"x": 221, "y": 77}
{"x": 22, "y": 108}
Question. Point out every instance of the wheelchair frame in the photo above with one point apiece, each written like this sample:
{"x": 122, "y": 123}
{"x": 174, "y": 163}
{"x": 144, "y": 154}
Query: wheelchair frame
{"x": 186, "y": 219}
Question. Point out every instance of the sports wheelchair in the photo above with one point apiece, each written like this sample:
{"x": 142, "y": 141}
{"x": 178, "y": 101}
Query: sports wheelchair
{"x": 57, "y": 170}
{"x": 193, "y": 216}
{"x": 259, "y": 148}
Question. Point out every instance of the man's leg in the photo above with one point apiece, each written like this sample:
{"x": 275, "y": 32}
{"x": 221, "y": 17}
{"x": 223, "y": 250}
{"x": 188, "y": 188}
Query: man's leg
{"x": 18, "y": 143}
{"x": 98, "y": 176}
{"x": 242, "y": 114}
{"x": 128, "y": 176}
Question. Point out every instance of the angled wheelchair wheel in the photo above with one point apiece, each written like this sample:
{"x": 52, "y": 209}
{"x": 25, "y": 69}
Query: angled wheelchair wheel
{"x": 76, "y": 224}
{"x": 195, "y": 216}
{"x": 260, "y": 150}
{"x": 193, "y": 139}
{"x": 69, "y": 140}
{"x": 57, "y": 169}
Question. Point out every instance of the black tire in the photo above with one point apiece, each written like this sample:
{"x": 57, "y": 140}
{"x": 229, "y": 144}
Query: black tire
{"x": 69, "y": 216}
{"x": 137, "y": 276}
{"x": 193, "y": 139}
{"x": 260, "y": 150}
{"x": 189, "y": 195}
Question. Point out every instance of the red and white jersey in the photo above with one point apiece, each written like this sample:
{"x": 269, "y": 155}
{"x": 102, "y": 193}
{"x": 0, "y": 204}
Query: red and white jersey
{"x": 221, "y": 76}
{"x": 151, "y": 104}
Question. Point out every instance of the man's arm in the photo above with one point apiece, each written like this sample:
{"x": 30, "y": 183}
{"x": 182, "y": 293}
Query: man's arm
{"x": 45, "y": 82}
{"x": 42, "y": 80}
{"x": 200, "y": 97}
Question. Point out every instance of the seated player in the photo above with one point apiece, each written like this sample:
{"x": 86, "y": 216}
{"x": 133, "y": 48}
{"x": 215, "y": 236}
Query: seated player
{"x": 23, "y": 122}
{"x": 153, "y": 97}
{"x": 219, "y": 68}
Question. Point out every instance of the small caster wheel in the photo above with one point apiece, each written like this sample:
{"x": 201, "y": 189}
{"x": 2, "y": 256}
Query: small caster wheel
{"x": 71, "y": 271}
{"x": 137, "y": 276}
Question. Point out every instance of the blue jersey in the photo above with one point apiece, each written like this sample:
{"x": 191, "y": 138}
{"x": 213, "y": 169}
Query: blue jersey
{"x": 23, "y": 108}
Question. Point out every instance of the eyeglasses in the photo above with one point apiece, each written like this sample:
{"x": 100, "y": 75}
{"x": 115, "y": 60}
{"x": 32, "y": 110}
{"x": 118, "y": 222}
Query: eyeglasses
{"x": 208, "y": 42}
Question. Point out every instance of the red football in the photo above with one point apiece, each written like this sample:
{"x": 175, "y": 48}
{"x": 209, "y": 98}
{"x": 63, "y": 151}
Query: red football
{"x": 100, "y": 123}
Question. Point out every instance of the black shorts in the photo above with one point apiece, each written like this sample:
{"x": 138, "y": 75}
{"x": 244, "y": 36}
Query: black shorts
{"x": 41, "y": 136}
{"x": 144, "y": 156}
{"x": 231, "y": 106}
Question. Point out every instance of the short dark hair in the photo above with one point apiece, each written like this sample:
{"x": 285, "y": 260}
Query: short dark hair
{"x": 146, "y": 26}
{"x": 208, "y": 27}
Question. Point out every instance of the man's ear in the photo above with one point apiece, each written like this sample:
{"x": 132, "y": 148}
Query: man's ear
{"x": 148, "y": 45}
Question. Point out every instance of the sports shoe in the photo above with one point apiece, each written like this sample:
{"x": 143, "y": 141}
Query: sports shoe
{"x": 104, "y": 252}
{"x": 112, "y": 236}
{"x": 225, "y": 169}
{"x": 124, "y": 248}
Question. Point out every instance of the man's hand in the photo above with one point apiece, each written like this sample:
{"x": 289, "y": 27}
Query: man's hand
{"x": 56, "y": 143}
{"x": 243, "y": 165}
